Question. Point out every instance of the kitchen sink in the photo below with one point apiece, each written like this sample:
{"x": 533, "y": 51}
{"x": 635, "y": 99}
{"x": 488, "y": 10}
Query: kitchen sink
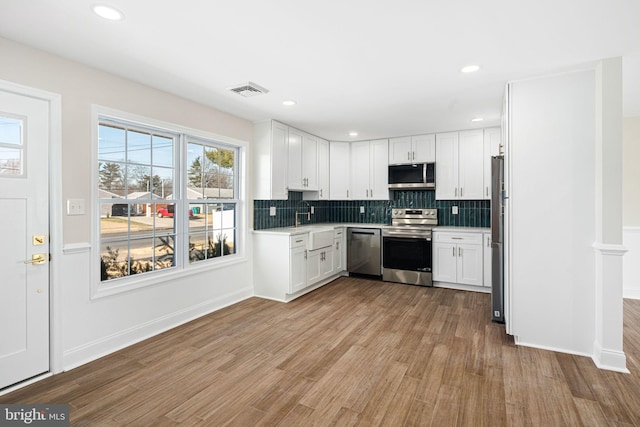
{"x": 320, "y": 238}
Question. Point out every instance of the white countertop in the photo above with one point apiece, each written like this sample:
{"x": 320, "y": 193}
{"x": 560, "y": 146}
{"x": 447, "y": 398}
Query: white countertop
{"x": 306, "y": 228}
{"x": 291, "y": 231}
{"x": 462, "y": 229}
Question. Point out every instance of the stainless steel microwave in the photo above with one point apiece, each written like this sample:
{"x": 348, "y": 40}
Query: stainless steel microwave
{"x": 412, "y": 177}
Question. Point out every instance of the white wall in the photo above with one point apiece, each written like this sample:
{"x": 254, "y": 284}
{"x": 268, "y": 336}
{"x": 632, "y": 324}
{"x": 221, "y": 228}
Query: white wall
{"x": 89, "y": 328}
{"x": 631, "y": 206}
{"x": 552, "y": 202}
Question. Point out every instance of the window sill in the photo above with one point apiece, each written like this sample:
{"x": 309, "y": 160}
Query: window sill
{"x": 102, "y": 290}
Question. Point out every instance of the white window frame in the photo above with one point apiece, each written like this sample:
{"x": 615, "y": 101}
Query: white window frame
{"x": 182, "y": 266}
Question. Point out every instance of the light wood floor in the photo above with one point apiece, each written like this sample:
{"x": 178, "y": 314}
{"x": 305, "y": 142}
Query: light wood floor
{"x": 355, "y": 352}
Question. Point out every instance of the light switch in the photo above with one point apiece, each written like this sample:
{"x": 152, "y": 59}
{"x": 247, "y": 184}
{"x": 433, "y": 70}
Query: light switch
{"x": 272, "y": 211}
{"x": 361, "y": 209}
{"x": 454, "y": 210}
{"x": 75, "y": 207}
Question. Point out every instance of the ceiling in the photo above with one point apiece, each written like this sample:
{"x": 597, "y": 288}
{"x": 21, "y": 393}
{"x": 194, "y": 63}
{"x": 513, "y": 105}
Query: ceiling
{"x": 382, "y": 68}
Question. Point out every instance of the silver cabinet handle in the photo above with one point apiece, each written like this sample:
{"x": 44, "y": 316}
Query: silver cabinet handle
{"x": 455, "y": 194}
{"x": 408, "y": 155}
{"x": 414, "y": 155}
{"x": 487, "y": 191}
{"x": 454, "y": 251}
{"x": 459, "y": 251}
{"x": 321, "y": 192}
{"x": 367, "y": 193}
{"x": 371, "y": 192}
{"x": 460, "y": 191}
{"x": 305, "y": 254}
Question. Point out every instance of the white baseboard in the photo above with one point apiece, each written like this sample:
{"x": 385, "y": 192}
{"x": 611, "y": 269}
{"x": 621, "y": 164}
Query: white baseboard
{"x": 556, "y": 349}
{"x": 609, "y": 359}
{"x": 99, "y": 348}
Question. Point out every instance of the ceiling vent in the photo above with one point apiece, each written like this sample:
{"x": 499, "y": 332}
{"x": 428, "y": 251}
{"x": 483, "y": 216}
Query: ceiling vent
{"x": 249, "y": 89}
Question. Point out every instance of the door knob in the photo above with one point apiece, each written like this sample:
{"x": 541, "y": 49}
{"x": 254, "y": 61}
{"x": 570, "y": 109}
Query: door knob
{"x": 36, "y": 259}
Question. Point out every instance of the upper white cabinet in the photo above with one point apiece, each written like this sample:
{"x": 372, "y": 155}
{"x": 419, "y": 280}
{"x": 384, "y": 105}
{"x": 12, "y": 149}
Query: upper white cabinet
{"x": 339, "y": 163}
{"x": 492, "y": 144}
{"x": 270, "y": 160}
{"x": 369, "y": 170}
{"x": 323, "y": 174}
{"x": 412, "y": 149}
{"x": 459, "y": 165}
{"x": 302, "y": 161}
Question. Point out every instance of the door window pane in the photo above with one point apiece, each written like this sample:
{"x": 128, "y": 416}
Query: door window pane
{"x": 11, "y": 146}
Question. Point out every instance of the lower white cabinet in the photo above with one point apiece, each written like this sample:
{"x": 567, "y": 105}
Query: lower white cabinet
{"x": 285, "y": 268}
{"x": 298, "y": 263}
{"x": 487, "y": 254}
{"x": 458, "y": 258}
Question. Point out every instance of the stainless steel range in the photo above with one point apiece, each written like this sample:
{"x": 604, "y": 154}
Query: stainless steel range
{"x": 406, "y": 246}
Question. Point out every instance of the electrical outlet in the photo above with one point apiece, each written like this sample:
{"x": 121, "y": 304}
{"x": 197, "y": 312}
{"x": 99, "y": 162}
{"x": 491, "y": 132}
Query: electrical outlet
{"x": 313, "y": 210}
{"x": 272, "y": 211}
{"x": 361, "y": 209}
{"x": 454, "y": 210}
{"x": 75, "y": 207}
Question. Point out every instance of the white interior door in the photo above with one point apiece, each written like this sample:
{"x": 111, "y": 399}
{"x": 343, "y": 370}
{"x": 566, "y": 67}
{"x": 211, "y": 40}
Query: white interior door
{"x": 24, "y": 227}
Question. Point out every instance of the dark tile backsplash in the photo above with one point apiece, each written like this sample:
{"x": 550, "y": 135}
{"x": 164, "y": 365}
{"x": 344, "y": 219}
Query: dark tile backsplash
{"x": 471, "y": 213}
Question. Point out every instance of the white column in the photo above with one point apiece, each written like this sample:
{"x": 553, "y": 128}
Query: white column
{"x": 608, "y": 352}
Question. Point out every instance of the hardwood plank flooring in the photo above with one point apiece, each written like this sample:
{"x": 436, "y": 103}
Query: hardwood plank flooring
{"x": 353, "y": 353}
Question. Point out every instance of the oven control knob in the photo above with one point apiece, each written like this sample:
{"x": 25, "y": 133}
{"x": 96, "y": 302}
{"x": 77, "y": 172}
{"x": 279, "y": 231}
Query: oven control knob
{"x": 395, "y": 212}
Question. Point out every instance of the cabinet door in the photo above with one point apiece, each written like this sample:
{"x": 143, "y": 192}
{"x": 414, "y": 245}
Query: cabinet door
{"x": 379, "y": 170}
{"x": 338, "y": 257}
{"x": 469, "y": 264}
{"x": 294, "y": 160}
{"x": 400, "y": 150}
{"x": 298, "y": 269}
{"x": 423, "y": 148}
{"x": 447, "y": 166}
{"x": 339, "y": 166}
{"x": 326, "y": 264}
{"x": 314, "y": 267}
{"x": 486, "y": 259}
{"x": 309, "y": 162}
{"x": 470, "y": 166}
{"x": 360, "y": 170}
{"x": 279, "y": 134}
{"x": 323, "y": 170}
{"x": 492, "y": 141}
{"x": 445, "y": 257}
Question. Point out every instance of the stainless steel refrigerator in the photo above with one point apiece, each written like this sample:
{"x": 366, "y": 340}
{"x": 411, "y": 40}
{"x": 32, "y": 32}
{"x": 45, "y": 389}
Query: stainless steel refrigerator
{"x": 497, "y": 239}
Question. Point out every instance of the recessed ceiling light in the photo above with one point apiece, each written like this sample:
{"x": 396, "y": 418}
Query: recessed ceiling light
{"x": 470, "y": 69}
{"x": 288, "y": 103}
{"x": 477, "y": 119}
{"x": 353, "y": 133}
{"x": 108, "y": 12}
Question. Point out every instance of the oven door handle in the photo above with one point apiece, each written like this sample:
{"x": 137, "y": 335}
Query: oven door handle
{"x": 405, "y": 235}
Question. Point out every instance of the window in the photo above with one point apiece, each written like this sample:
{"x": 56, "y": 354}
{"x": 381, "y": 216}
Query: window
{"x": 11, "y": 146}
{"x": 166, "y": 200}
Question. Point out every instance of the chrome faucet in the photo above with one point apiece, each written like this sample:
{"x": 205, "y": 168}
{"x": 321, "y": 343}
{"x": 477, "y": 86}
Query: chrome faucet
{"x": 308, "y": 214}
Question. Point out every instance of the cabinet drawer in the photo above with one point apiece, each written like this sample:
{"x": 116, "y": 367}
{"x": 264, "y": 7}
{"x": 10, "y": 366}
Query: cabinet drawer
{"x": 467, "y": 238}
{"x": 339, "y": 232}
{"x": 298, "y": 240}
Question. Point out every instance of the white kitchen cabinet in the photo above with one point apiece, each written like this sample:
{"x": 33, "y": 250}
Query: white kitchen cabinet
{"x": 339, "y": 254}
{"x": 323, "y": 173}
{"x": 492, "y": 144}
{"x": 339, "y": 164}
{"x": 412, "y": 149}
{"x": 286, "y": 267}
{"x": 302, "y": 161}
{"x": 297, "y": 268}
{"x": 270, "y": 161}
{"x": 486, "y": 259}
{"x": 319, "y": 264}
{"x": 458, "y": 258}
{"x": 447, "y": 166}
{"x": 459, "y": 165}
{"x": 369, "y": 170}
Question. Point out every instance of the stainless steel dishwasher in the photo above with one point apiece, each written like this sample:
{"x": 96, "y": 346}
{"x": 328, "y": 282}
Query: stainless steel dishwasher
{"x": 364, "y": 251}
